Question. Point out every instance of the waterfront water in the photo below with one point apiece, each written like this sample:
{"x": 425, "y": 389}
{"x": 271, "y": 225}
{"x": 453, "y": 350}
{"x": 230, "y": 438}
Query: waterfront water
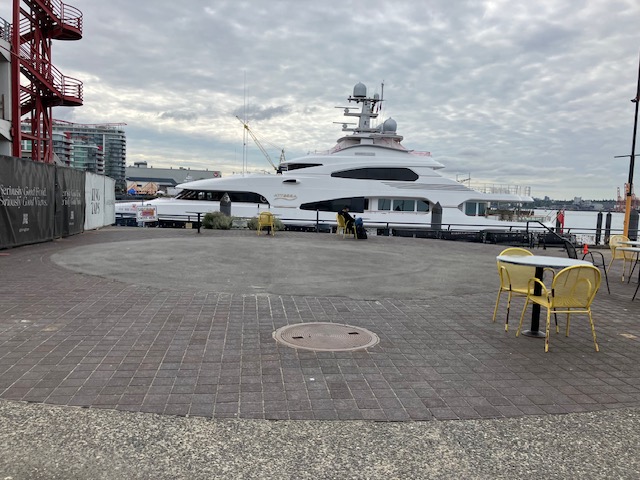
{"x": 583, "y": 223}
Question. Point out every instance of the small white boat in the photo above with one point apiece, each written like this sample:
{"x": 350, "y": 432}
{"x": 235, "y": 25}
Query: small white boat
{"x": 368, "y": 170}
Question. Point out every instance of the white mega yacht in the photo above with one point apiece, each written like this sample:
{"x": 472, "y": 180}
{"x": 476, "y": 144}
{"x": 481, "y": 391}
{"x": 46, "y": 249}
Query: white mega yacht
{"x": 368, "y": 170}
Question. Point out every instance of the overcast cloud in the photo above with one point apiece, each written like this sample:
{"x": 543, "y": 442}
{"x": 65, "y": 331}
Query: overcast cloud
{"x": 510, "y": 92}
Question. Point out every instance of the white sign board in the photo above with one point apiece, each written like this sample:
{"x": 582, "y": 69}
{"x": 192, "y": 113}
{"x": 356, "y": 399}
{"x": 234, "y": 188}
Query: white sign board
{"x": 147, "y": 213}
{"x": 100, "y": 201}
{"x": 109, "y": 201}
{"x": 94, "y": 201}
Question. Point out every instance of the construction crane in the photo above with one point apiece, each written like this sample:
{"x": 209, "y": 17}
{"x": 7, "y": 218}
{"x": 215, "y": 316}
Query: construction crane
{"x": 262, "y": 149}
{"x": 621, "y": 201}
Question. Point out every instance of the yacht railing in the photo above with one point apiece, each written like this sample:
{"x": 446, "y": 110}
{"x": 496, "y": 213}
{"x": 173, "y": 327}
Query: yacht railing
{"x": 534, "y": 233}
{"x": 502, "y": 189}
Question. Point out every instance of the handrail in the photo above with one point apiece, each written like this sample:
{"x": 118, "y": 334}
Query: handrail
{"x": 5, "y": 30}
{"x": 64, "y": 15}
{"x": 446, "y": 232}
{"x": 65, "y": 86}
{"x": 67, "y": 14}
{"x": 549, "y": 230}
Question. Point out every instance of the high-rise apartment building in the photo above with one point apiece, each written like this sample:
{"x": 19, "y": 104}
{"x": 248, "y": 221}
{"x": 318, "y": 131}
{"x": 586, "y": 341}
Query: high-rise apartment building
{"x": 97, "y": 148}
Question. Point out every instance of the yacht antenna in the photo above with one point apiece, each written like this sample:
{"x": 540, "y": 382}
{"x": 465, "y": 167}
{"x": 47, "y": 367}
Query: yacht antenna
{"x": 244, "y": 130}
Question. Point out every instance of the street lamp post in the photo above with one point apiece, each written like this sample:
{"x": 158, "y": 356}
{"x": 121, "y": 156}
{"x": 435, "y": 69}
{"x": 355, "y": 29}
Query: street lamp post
{"x": 627, "y": 210}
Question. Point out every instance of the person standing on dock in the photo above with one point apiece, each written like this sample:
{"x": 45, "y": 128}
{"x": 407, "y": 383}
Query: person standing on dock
{"x": 560, "y": 221}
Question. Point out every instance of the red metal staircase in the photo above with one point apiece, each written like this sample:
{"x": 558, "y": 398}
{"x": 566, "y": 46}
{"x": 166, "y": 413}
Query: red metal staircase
{"x": 37, "y": 84}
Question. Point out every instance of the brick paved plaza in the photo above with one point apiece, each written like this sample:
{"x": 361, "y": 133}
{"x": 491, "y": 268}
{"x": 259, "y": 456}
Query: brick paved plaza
{"x": 179, "y": 323}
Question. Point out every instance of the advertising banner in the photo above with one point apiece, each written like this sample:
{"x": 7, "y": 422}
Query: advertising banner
{"x": 70, "y": 193}
{"x": 109, "y": 201}
{"x": 94, "y": 201}
{"x": 26, "y": 202}
{"x": 100, "y": 201}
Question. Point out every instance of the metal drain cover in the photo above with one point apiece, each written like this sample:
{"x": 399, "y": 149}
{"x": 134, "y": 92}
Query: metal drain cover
{"x": 325, "y": 337}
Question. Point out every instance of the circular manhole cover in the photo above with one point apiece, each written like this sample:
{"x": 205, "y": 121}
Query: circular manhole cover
{"x": 325, "y": 337}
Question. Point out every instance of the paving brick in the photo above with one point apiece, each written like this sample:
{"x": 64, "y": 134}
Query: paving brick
{"x": 182, "y": 351}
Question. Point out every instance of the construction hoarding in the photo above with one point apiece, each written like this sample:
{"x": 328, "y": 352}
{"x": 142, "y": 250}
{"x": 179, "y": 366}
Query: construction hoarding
{"x": 27, "y": 201}
{"x": 39, "y": 202}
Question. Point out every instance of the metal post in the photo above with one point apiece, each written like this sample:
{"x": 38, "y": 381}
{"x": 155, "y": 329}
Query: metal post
{"x": 633, "y": 225}
{"x": 225, "y": 205}
{"x": 16, "y": 149}
{"x": 598, "y": 228}
{"x": 627, "y": 211}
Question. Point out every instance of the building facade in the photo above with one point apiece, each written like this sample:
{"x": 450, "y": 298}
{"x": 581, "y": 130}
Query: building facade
{"x": 140, "y": 175}
{"x": 98, "y": 148}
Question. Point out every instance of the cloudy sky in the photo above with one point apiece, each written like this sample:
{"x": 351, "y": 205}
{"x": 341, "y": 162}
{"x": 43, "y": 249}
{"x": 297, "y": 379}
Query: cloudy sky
{"x": 531, "y": 93}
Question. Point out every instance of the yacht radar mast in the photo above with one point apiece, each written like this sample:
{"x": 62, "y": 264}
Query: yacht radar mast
{"x": 367, "y": 112}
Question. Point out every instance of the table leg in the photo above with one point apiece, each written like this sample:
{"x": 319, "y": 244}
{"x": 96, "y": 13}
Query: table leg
{"x": 634, "y": 267}
{"x": 534, "y": 331}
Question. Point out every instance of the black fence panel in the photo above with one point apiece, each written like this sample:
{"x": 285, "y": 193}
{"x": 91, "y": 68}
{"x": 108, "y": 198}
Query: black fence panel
{"x": 26, "y": 202}
{"x": 70, "y": 201}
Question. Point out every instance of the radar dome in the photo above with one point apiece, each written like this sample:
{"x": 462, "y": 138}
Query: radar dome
{"x": 389, "y": 125}
{"x": 360, "y": 90}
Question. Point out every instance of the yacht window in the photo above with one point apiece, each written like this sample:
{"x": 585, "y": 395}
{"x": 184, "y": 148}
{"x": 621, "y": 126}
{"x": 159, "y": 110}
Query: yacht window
{"x": 404, "y": 205}
{"x": 187, "y": 195}
{"x": 384, "y": 204}
{"x": 470, "y": 208}
{"x": 215, "y": 196}
{"x": 296, "y": 166}
{"x": 400, "y": 174}
{"x": 355, "y": 204}
{"x": 482, "y": 209}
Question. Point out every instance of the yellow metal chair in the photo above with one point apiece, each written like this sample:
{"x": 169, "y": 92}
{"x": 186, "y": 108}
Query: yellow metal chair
{"x": 627, "y": 257}
{"x": 342, "y": 227}
{"x": 514, "y": 279}
{"x": 266, "y": 219}
{"x": 572, "y": 291}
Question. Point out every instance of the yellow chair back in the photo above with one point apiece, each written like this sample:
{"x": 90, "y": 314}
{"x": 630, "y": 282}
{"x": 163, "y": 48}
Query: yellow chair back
{"x": 265, "y": 219}
{"x": 575, "y": 287}
{"x": 515, "y": 277}
{"x": 516, "y": 251}
{"x": 616, "y": 241}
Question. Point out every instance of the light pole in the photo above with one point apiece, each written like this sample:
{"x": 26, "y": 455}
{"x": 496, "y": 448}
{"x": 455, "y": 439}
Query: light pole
{"x": 627, "y": 210}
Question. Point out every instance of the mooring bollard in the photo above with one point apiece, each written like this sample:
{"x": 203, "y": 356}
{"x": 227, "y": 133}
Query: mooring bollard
{"x": 225, "y": 205}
